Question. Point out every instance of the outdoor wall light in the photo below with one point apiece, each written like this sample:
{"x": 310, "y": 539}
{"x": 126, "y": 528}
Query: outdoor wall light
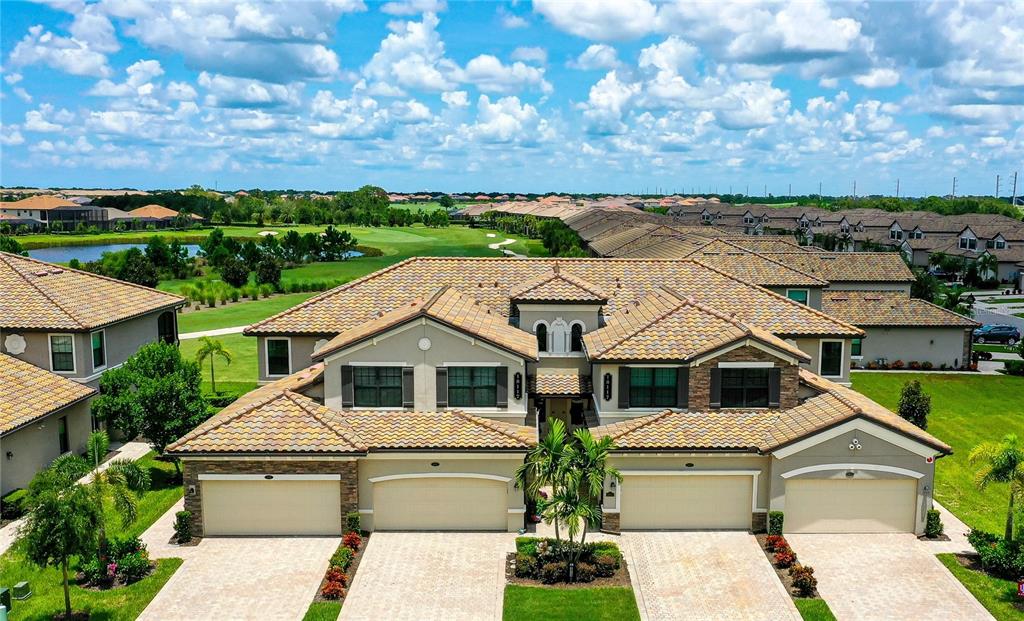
{"x": 191, "y": 490}
{"x": 435, "y": 464}
{"x": 850, "y": 474}
{"x": 689, "y": 465}
{"x": 10, "y": 455}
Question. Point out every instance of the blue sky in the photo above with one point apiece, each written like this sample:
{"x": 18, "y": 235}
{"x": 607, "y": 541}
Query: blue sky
{"x": 553, "y": 95}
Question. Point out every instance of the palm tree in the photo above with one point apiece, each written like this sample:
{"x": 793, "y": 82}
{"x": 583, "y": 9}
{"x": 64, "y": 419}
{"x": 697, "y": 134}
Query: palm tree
{"x": 988, "y": 266}
{"x": 211, "y": 348}
{"x": 585, "y": 467}
{"x": 541, "y": 468}
{"x": 1001, "y": 462}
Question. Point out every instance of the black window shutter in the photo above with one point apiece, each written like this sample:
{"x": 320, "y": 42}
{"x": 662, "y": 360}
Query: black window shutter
{"x": 774, "y": 386}
{"x": 623, "y": 388}
{"x": 347, "y": 391}
{"x": 682, "y": 387}
{"x": 716, "y": 388}
{"x": 501, "y": 375}
{"x": 442, "y": 388}
{"x": 408, "y": 388}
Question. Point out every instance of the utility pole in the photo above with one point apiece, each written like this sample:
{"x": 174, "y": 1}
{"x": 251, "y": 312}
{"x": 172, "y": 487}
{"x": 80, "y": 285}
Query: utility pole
{"x": 897, "y": 187}
{"x": 1013, "y": 200}
{"x": 819, "y": 189}
{"x": 790, "y": 190}
{"x": 997, "y": 186}
{"x": 766, "y": 190}
{"x": 748, "y": 190}
{"x": 953, "y": 195}
{"x": 855, "y": 189}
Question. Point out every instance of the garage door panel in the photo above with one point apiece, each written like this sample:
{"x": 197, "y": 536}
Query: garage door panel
{"x": 686, "y": 502}
{"x": 440, "y": 504}
{"x": 850, "y": 506}
{"x": 280, "y": 507}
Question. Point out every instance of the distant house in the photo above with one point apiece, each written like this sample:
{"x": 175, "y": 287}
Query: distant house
{"x": 158, "y": 215}
{"x": 47, "y": 210}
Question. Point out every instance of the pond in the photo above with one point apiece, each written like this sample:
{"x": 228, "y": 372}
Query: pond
{"x": 64, "y": 254}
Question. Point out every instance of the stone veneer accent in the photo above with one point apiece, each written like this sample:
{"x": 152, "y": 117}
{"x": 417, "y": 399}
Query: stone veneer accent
{"x": 700, "y": 378}
{"x": 192, "y": 468}
{"x": 610, "y": 522}
{"x": 759, "y": 522}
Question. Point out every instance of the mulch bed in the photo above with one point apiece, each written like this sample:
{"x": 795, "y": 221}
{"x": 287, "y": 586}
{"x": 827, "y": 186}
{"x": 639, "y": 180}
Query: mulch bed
{"x": 783, "y": 574}
{"x": 973, "y": 562}
{"x": 619, "y": 579}
{"x": 188, "y": 544}
{"x": 350, "y": 573}
{"x": 116, "y": 584}
{"x": 75, "y": 616}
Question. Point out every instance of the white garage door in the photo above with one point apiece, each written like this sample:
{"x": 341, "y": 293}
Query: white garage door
{"x": 277, "y": 507}
{"x": 686, "y": 502}
{"x": 850, "y": 506}
{"x": 440, "y": 503}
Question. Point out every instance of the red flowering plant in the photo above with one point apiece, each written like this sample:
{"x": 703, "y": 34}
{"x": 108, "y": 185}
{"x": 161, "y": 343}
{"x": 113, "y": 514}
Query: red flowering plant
{"x": 352, "y": 540}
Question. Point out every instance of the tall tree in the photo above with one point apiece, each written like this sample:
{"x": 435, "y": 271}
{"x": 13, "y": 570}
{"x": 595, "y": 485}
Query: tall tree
{"x": 542, "y": 464}
{"x": 1001, "y": 462}
{"x": 212, "y": 348}
{"x": 915, "y": 405}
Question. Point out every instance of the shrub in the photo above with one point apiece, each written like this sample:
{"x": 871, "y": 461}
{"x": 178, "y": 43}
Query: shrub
{"x": 235, "y": 295}
{"x": 775, "y": 520}
{"x": 933, "y": 527}
{"x": 11, "y": 506}
{"x": 342, "y": 558}
{"x": 1014, "y": 367}
{"x": 352, "y": 522}
{"x": 604, "y": 548}
{"x": 803, "y": 579}
{"x": 775, "y": 542}
{"x": 914, "y": 365}
{"x": 120, "y": 548}
{"x": 234, "y": 272}
{"x": 336, "y": 574}
{"x": 268, "y": 271}
{"x": 133, "y": 567}
{"x": 585, "y": 572}
{"x": 896, "y": 364}
{"x": 551, "y": 573}
{"x": 183, "y": 526}
{"x": 914, "y": 405}
{"x": 1001, "y": 558}
{"x": 526, "y": 566}
{"x": 927, "y": 366}
{"x": 352, "y": 541}
{"x": 605, "y": 565}
{"x": 96, "y": 573}
{"x": 211, "y": 300}
{"x": 333, "y": 590}
{"x": 784, "y": 558}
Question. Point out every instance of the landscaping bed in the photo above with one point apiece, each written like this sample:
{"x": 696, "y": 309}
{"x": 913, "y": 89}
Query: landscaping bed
{"x": 798, "y": 580}
{"x": 536, "y": 563}
{"x": 997, "y": 595}
{"x": 341, "y": 571}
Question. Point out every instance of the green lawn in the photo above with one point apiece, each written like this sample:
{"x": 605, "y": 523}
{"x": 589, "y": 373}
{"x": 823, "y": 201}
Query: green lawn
{"x": 1002, "y": 300}
{"x": 419, "y": 207}
{"x": 118, "y": 604}
{"x": 966, "y": 410}
{"x": 323, "y": 611}
{"x": 1003, "y": 349}
{"x": 43, "y": 240}
{"x": 240, "y": 314}
{"x": 243, "y": 364}
{"x": 814, "y": 610}
{"x": 996, "y": 595}
{"x": 523, "y": 603}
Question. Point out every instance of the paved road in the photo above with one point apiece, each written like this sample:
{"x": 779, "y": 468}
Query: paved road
{"x": 985, "y": 316}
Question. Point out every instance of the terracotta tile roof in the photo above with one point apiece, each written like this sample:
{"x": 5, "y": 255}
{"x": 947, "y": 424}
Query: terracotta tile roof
{"x": 889, "y": 308}
{"x": 558, "y": 285}
{"x": 759, "y": 430}
{"x": 560, "y": 384}
{"x": 767, "y": 243}
{"x": 490, "y": 279}
{"x": 276, "y": 419}
{"x": 42, "y": 202}
{"x": 39, "y": 295}
{"x": 153, "y": 211}
{"x": 848, "y": 266}
{"x": 29, "y": 393}
{"x": 753, "y": 267}
{"x": 451, "y": 308}
{"x": 667, "y": 326}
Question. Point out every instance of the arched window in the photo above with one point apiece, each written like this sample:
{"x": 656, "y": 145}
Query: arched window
{"x": 576, "y": 337}
{"x": 541, "y": 329}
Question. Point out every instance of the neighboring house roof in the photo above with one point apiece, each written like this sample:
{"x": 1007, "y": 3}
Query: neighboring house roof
{"x": 848, "y": 266}
{"x": 558, "y": 286}
{"x": 42, "y": 202}
{"x": 489, "y": 281}
{"x": 560, "y": 385}
{"x": 889, "y": 308}
{"x": 30, "y": 393}
{"x": 668, "y": 326}
{"x": 276, "y": 419}
{"x": 448, "y": 306}
{"x": 37, "y": 296}
{"x": 157, "y": 212}
{"x": 760, "y": 430}
{"x": 753, "y": 267}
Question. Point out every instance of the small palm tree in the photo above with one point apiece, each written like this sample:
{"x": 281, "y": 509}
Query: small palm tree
{"x": 585, "y": 468}
{"x": 1001, "y": 462}
{"x": 541, "y": 468}
{"x": 988, "y": 266}
{"x": 211, "y": 348}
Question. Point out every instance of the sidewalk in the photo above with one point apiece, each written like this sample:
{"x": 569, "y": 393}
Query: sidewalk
{"x": 130, "y": 450}
{"x": 218, "y": 332}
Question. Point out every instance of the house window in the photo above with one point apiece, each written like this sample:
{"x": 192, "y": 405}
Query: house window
{"x": 473, "y": 387}
{"x": 652, "y": 387}
{"x": 99, "y": 350}
{"x": 798, "y": 295}
{"x": 895, "y": 234}
{"x": 278, "y": 357}
{"x": 748, "y": 220}
{"x": 62, "y": 434}
{"x": 1000, "y": 244}
{"x": 706, "y": 217}
{"x": 542, "y": 336}
{"x": 62, "y": 353}
{"x": 917, "y": 235}
{"x": 165, "y": 328}
{"x": 377, "y": 387}
{"x": 745, "y": 388}
{"x": 576, "y": 337}
{"x": 855, "y": 347}
{"x": 968, "y": 243}
{"x": 831, "y": 358}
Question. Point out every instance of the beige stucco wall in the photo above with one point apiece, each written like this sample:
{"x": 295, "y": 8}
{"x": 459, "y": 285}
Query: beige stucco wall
{"x": 874, "y": 451}
{"x": 811, "y": 347}
{"x": 813, "y": 294}
{"x": 385, "y": 464}
{"x": 401, "y": 348}
{"x": 301, "y": 349}
{"x": 936, "y": 345}
{"x": 34, "y": 446}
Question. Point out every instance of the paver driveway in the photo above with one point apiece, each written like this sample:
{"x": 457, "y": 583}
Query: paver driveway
{"x": 430, "y": 576}
{"x": 704, "y": 575}
{"x": 884, "y": 577}
{"x": 238, "y": 578}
